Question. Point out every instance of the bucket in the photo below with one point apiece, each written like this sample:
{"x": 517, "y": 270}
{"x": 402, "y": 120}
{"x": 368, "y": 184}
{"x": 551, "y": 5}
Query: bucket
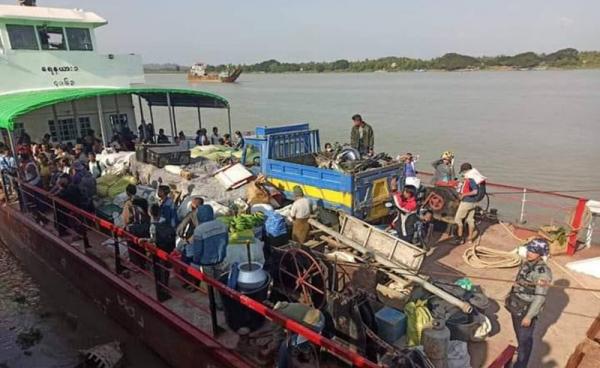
{"x": 237, "y": 315}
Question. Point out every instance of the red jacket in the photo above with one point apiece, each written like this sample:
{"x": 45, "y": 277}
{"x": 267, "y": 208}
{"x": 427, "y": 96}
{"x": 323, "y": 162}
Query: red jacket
{"x": 406, "y": 205}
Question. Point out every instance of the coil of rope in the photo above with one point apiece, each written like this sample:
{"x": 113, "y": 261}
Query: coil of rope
{"x": 477, "y": 256}
{"x": 480, "y": 257}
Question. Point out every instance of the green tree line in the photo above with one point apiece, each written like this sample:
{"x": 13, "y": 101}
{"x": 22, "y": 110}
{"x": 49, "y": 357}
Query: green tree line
{"x": 565, "y": 58}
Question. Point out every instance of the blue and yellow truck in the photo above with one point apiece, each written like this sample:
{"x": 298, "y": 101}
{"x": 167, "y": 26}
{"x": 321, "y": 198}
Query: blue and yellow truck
{"x": 285, "y": 156}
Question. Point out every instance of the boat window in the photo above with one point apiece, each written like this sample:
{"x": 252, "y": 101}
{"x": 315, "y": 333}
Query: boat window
{"x": 64, "y": 131}
{"x": 22, "y": 37}
{"x": 118, "y": 122}
{"x": 84, "y": 124}
{"x": 251, "y": 155}
{"x": 18, "y": 128}
{"x": 52, "y": 38}
{"x": 79, "y": 39}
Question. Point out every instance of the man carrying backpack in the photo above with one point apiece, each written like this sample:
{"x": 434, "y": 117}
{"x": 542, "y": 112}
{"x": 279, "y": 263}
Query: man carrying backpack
{"x": 470, "y": 191}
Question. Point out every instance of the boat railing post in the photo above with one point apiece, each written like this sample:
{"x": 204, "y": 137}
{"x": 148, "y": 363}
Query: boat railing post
{"x": 174, "y": 123}
{"x": 156, "y": 273}
{"x": 199, "y": 118}
{"x": 143, "y": 137}
{"x": 229, "y": 120}
{"x": 118, "y": 266}
{"x": 55, "y": 212}
{"x": 101, "y": 121}
{"x": 212, "y": 303}
{"x": 151, "y": 122}
{"x": 84, "y": 236}
{"x": 170, "y": 115}
{"x": 523, "y": 201}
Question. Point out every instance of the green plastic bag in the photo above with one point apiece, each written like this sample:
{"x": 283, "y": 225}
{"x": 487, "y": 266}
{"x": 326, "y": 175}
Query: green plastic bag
{"x": 418, "y": 317}
{"x": 465, "y": 283}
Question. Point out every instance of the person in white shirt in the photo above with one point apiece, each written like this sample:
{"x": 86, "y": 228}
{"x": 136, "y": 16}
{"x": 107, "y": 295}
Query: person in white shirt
{"x": 214, "y": 138}
{"x": 94, "y": 166}
{"x": 300, "y": 213}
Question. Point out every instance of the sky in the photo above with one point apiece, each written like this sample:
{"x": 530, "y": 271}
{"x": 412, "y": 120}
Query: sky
{"x": 247, "y": 31}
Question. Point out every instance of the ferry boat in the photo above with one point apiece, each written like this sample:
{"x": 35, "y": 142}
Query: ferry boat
{"x": 55, "y": 82}
{"x": 198, "y": 73}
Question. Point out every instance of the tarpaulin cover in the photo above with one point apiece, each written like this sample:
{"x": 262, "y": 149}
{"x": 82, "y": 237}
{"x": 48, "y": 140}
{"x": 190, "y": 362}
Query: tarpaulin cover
{"x": 13, "y": 105}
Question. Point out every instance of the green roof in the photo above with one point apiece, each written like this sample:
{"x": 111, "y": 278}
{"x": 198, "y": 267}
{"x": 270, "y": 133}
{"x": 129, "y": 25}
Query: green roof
{"x": 17, "y": 104}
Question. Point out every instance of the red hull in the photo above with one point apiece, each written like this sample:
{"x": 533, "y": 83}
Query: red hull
{"x": 175, "y": 340}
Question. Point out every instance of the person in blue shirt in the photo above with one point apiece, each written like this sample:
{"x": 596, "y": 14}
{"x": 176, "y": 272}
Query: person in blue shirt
{"x": 210, "y": 239}
{"x": 168, "y": 213}
{"x": 408, "y": 169}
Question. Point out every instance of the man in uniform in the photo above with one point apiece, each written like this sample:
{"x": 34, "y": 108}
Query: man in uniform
{"x": 361, "y": 136}
{"x": 527, "y": 297}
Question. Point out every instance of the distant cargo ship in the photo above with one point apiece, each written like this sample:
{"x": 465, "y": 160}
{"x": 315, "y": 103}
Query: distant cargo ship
{"x": 198, "y": 73}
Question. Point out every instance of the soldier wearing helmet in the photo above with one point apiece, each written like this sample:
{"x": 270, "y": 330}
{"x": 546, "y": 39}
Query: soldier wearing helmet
{"x": 528, "y": 295}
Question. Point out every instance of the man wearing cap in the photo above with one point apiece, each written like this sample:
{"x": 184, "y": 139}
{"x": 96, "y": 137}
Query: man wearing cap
{"x": 527, "y": 297}
{"x": 361, "y": 136}
{"x": 300, "y": 213}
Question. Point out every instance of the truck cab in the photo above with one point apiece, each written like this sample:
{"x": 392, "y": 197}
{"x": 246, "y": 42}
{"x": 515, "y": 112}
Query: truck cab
{"x": 285, "y": 155}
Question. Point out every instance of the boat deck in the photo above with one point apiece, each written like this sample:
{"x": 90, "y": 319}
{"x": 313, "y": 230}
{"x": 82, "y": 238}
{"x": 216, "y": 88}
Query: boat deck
{"x": 563, "y": 324}
{"x": 564, "y": 320}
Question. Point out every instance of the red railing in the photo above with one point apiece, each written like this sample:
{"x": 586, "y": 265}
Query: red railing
{"x": 82, "y": 217}
{"x": 551, "y": 207}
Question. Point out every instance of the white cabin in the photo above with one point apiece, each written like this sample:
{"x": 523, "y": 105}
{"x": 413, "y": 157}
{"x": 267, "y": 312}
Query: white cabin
{"x": 44, "y": 48}
{"x": 54, "y": 81}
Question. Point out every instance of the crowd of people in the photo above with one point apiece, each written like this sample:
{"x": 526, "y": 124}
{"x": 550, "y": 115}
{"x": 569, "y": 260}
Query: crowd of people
{"x": 146, "y": 134}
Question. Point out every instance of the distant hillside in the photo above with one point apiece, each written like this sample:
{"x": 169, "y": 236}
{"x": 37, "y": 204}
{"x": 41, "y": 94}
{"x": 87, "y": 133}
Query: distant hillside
{"x": 564, "y": 59}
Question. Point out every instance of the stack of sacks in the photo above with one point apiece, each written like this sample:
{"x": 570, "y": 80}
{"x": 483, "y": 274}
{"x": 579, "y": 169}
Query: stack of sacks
{"x": 215, "y": 153}
{"x": 109, "y": 186}
{"x": 115, "y": 163}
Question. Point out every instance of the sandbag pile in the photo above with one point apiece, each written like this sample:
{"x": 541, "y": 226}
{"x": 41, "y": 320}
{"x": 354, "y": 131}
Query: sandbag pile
{"x": 202, "y": 183}
{"x": 110, "y": 185}
{"x": 115, "y": 163}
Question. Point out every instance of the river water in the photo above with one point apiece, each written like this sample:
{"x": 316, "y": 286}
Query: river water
{"x": 40, "y": 330}
{"x": 534, "y": 128}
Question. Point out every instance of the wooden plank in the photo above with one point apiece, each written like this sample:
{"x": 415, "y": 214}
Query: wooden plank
{"x": 593, "y": 332}
{"x": 381, "y": 242}
{"x": 394, "y": 267}
{"x": 366, "y": 241}
{"x": 393, "y": 250}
